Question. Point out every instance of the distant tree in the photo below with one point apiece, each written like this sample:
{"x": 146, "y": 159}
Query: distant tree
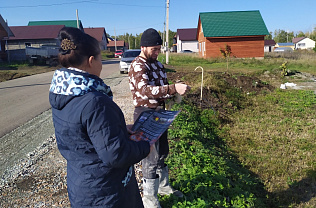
{"x": 137, "y": 40}
{"x": 268, "y": 37}
{"x": 281, "y": 36}
{"x": 300, "y": 34}
{"x": 290, "y": 36}
{"x": 134, "y": 40}
{"x": 312, "y": 35}
{"x": 171, "y": 35}
{"x": 170, "y": 39}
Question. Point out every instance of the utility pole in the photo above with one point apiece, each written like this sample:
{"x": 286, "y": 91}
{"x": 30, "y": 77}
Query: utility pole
{"x": 115, "y": 39}
{"x": 163, "y": 37}
{"x": 77, "y": 18}
{"x": 167, "y": 33}
{"x": 8, "y": 51}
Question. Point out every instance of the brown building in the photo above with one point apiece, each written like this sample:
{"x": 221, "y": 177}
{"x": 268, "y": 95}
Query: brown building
{"x": 5, "y": 33}
{"x": 117, "y": 45}
{"x": 99, "y": 34}
{"x": 242, "y": 31}
{"x": 31, "y": 36}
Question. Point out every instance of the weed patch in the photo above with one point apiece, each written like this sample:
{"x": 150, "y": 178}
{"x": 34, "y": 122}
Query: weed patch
{"x": 203, "y": 169}
{"x": 247, "y": 143}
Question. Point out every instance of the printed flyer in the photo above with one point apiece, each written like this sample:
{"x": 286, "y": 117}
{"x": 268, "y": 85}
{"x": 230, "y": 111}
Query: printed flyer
{"x": 151, "y": 124}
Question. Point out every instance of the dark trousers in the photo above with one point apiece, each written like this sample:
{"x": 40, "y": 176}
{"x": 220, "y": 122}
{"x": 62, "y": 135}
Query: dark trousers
{"x": 156, "y": 158}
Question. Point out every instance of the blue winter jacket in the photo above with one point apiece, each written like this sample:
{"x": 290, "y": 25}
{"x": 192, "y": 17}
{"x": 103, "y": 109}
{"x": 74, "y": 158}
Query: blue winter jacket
{"x": 91, "y": 135}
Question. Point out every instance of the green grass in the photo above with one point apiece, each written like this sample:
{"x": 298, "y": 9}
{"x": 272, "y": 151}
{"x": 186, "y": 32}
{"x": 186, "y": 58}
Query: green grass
{"x": 203, "y": 168}
{"x": 264, "y": 157}
{"x": 302, "y": 63}
{"x": 107, "y": 55}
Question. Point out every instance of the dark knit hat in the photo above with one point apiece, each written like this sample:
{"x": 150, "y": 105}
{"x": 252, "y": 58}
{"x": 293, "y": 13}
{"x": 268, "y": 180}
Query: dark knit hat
{"x": 150, "y": 37}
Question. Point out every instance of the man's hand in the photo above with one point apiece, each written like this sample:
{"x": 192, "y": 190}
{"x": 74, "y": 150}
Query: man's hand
{"x": 182, "y": 88}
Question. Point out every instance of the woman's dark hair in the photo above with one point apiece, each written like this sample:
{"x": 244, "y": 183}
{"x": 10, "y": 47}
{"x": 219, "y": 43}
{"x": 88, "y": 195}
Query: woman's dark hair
{"x": 76, "y": 46}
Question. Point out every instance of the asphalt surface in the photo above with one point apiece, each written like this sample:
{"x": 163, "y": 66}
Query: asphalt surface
{"x": 25, "y": 116}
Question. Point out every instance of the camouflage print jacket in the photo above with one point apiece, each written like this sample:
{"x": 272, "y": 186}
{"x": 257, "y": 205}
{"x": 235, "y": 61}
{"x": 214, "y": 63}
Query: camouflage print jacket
{"x": 148, "y": 83}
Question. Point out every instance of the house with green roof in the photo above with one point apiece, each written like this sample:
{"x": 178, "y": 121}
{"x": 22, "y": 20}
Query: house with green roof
{"x": 242, "y": 31}
{"x": 67, "y": 23}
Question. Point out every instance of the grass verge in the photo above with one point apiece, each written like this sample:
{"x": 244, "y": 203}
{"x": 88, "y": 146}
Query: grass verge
{"x": 300, "y": 62}
{"x": 18, "y": 70}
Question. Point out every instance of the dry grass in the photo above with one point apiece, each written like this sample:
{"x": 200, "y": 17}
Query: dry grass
{"x": 275, "y": 139}
{"x": 18, "y": 71}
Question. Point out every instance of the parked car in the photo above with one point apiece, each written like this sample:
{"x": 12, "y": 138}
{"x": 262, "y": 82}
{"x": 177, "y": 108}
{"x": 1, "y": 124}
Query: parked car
{"x": 127, "y": 58}
{"x": 186, "y": 51}
{"x": 283, "y": 49}
{"x": 118, "y": 53}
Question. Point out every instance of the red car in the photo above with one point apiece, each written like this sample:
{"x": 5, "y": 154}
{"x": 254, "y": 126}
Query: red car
{"x": 118, "y": 53}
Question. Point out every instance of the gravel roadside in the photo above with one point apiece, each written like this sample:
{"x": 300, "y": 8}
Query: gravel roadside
{"x": 39, "y": 180}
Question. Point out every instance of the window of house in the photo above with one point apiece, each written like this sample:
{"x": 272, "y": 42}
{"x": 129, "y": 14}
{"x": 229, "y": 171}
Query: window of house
{"x": 301, "y": 44}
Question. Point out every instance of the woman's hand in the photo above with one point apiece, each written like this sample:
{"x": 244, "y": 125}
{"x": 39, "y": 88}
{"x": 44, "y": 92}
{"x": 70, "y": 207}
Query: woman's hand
{"x": 129, "y": 129}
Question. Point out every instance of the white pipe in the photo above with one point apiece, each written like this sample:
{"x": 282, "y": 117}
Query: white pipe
{"x": 201, "y": 82}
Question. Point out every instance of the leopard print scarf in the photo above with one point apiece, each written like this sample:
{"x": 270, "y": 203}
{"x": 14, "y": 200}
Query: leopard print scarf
{"x": 75, "y": 82}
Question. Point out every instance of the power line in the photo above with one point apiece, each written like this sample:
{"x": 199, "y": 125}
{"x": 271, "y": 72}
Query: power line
{"x": 86, "y": 1}
{"x": 133, "y": 5}
{"x": 44, "y": 5}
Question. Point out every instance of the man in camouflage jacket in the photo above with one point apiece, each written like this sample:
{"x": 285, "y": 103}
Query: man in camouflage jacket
{"x": 149, "y": 86}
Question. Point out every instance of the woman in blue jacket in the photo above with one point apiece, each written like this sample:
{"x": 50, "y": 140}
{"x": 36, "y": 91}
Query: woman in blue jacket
{"x": 90, "y": 129}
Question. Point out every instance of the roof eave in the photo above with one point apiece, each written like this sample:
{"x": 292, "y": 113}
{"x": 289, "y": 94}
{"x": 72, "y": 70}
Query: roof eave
{"x": 234, "y": 36}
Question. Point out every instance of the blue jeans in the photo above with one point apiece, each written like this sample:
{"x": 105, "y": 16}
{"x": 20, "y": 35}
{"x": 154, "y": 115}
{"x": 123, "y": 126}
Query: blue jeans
{"x": 156, "y": 158}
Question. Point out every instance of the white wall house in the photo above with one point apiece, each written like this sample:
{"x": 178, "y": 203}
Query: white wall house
{"x": 303, "y": 43}
{"x": 269, "y": 45}
{"x": 187, "y": 40}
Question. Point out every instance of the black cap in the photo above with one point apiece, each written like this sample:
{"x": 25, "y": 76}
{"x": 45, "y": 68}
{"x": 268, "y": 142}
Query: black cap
{"x": 150, "y": 37}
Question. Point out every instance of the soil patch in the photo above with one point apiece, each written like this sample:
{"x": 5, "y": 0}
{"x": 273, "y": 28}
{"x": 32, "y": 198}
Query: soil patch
{"x": 222, "y": 92}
